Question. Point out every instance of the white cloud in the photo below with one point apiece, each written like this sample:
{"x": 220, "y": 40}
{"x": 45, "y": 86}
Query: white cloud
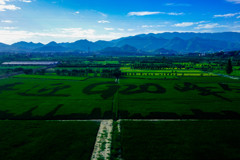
{"x": 76, "y": 32}
{"x": 77, "y": 12}
{"x": 103, "y": 14}
{"x": 8, "y": 7}
{"x": 121, "y": 29}
{"x": 174, "y": 14}
{"x": 58, "y": 35}
{"x": 6, "y": 21}
{"x": 145, "y": 13}
{"x": 184, "y": 24}
{"x": 130, "y": 30}
{"x": 226, "y": 15}
{"x": 3, "y": 1}
{"x": 109, "y": 29}
{"x": 4, "y": 6}
{"x": 234, "y": 1}
{"x": 210, "y": 26}
{"x": 238, "y": 17}
{"x": 152, "y": 26}
{"x": 103, "y": 21}
{"x": 178, "y": 4}
{"x": 26, "y": 1}
{"x": 187, "y": 24}
{"x": 9, "y": 28}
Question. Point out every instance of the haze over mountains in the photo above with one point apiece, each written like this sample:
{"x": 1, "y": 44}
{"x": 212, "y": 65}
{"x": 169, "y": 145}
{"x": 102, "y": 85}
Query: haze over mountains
{"x": 154, "y": 43}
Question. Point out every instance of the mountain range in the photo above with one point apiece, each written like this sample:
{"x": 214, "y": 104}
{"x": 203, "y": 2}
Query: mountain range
{"x": 149, "y": 43}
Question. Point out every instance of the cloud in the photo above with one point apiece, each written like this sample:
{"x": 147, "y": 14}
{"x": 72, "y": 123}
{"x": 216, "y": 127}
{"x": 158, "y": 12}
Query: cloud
{"x": 174, "y": 14}
{"x": 121, "y": 29}
{"x": 58, "y": 35}
{"x": 146, "y": 13}
{"x": 109, "y": 29}
{"x": 226, "y": 15}
{"x": 9, "y": 28}
{"x": 210, "y": 26}
{"x": 234, "y": 1}
{"x": 187, "y": 24}
{"x": 178, "y": 4}
{"x": 76, "y": 31}
{"x": 184, "y": 24}
{"x": 8, "y": 7}
{"x": 3, "y": 1}
{"x": 130, "y": 30}
{"x": 238, "y": 17}
{"x": 152, "y": 26}
{"x": 6, "y": 21}
{"x": 26, "y": 1}
{"x": 103, "y": 21}
{"x": 4, "y": 6}
{"x": 77, "y": 12}
{"x": 103, "y": 14}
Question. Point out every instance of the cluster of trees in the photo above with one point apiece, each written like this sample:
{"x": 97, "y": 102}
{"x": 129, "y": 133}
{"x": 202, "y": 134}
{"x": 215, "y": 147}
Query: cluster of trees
{"x": 229, "y": 68}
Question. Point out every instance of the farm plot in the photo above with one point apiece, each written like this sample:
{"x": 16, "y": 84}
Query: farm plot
{"x": 177, "y": 140}
{"x": 164, "y": 74}
{"x": 51, "y": 76}
{"x": 45, "y": 140}
{"x": 54, "y": 99}
{"x": 186, "y": 98}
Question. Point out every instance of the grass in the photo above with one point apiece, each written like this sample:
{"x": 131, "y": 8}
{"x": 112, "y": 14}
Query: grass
{"x": 61, "y": 98}
{"x": 179, "y": 98}
{"x": 161, "y": 71}
{"x": 185, "y": 97}
{"x": 234, "y": 73}
{"x": 45, "y": 140}
{"x": 180, "y": 140}
{"x": 54, "y": 77}
{"x": 165, "y": 73}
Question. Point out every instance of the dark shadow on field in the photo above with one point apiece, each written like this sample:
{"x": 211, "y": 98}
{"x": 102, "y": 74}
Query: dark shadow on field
{"x": 226, "y": 87}
{"x": 95, "y": 114}
{"x": 143, "y": 89}
{"x": 203, "y": 91}
{"x": 196, "y": 114}
{"x": 45, "y": 92}
{"x": 112, "y": 88}
{"x": 8, "y": 87}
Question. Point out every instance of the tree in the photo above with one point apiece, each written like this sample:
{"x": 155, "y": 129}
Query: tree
{"x": 229, "y": 68}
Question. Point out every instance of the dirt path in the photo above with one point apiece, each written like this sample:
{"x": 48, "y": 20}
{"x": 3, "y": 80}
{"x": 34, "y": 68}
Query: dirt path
{"x": 156, "y": 120}
{"x": 227, "y": 76}
{"x": 102, "y": 148}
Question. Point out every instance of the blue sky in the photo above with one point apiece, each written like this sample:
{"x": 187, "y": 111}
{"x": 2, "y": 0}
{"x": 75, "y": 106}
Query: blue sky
{"x": 71, "y": 20}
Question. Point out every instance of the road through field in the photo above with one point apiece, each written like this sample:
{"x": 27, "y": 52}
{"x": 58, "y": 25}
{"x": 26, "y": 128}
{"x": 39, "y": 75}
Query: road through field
{"x": 227, "y": 76}
{"x": 102, "y": 148}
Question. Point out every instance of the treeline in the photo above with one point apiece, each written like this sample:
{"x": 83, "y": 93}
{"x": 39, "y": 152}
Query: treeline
{"x": 149, "y": 66}
{"x": 156, "y": 66}
{"x": 24, "y": 70}
{"x": 88, "y": 72}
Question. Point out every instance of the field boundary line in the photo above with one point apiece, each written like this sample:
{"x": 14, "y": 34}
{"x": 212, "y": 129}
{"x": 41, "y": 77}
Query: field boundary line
{"x": 172, "y": 120}
{"x": 102, "y": 147}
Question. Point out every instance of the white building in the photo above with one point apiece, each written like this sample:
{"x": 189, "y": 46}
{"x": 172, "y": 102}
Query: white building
{"x": 31, "y": 63}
